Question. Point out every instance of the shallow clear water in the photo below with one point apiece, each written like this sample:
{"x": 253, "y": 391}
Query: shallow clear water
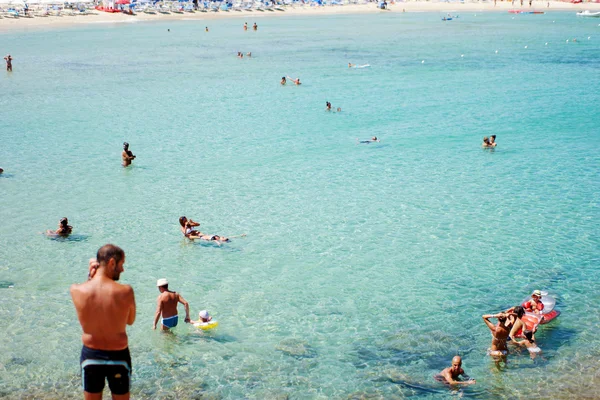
{"x": 366, "y": 267}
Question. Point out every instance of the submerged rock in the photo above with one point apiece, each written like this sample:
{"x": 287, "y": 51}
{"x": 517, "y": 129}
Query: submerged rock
{"x": 296, "y": 348}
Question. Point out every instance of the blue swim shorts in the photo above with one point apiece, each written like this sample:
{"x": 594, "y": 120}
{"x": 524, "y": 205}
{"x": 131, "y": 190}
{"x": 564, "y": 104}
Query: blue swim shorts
{"x": 170, "y": 322}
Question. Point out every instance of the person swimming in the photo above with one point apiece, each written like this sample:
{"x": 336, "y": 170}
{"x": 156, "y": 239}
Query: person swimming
{"x": 452, "y": 374}
{"x": 489, "y": 142}
{"x": 350, "y": 65}
{"x": 296, "y": 81}
{"x": 373, "y": 139}
{"x": 327, "y": 106}
{"x": 283, "y": 81}
{"x": 64, "y": 229}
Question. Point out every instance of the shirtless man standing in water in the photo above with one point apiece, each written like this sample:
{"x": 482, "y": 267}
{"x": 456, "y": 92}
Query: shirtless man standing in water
{"x": 104, "y": 308}
{"x": 167, "y": 306}
{"x": 127, "y": 155}
{"x": 499, "y": 348}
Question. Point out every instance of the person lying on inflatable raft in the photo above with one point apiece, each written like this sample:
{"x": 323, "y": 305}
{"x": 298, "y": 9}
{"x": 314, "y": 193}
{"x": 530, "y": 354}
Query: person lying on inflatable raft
{"x": 187, "y": 228}
{"x": 533, "y": 312}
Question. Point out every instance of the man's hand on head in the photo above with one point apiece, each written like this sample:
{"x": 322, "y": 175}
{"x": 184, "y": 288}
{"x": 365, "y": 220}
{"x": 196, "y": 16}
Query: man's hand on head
{"x": 93, "y": 267}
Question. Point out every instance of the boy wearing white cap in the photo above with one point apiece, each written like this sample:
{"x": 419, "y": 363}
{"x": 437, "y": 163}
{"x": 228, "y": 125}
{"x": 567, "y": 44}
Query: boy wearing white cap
{"x": 204, "y": 317}
{"x": 167, "y": 306}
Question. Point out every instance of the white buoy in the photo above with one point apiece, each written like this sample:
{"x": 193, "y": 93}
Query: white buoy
{"x": 546, "y": 44}
{"x": 422, "y": 61}
{"x": 462, "y": 55}
{"x": 589, "y": 37}
{"x": 525, "y": 46}
{"x": 496, "y": 51}
{"x": 567, "y": 40}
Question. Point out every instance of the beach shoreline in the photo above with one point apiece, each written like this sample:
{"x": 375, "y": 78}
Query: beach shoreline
{"x": 99, "y": 17}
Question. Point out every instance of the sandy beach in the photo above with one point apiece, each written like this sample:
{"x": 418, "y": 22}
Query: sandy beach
{"x": 98, "y": 17}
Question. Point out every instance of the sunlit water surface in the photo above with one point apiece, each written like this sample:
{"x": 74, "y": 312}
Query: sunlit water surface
{"x": 366, "y": 267}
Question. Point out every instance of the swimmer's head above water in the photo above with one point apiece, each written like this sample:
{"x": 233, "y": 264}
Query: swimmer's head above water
{"x": 125, "y": 145}
{"x": 520, "y": 311}
{"x": 456, "y": 363}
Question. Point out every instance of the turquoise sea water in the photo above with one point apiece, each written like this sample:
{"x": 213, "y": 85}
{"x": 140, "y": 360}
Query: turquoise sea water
{"x": 366, "y": 267}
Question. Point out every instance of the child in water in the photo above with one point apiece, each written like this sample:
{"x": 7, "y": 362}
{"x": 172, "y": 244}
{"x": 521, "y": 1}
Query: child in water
{"x": 203, "y": 319}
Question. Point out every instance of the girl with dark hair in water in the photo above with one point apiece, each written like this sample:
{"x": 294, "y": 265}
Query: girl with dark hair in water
{"x": 64, "y": 229}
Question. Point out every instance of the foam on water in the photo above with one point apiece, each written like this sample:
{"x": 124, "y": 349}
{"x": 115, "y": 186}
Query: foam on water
{"x": 366, "y": 267}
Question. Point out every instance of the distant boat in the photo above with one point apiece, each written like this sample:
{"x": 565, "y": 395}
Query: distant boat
{"x": 588, "y": 13}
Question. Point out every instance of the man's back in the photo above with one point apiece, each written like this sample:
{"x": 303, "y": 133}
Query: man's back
{"x": 104, "y": 308}
{"x": 168, "y": 301}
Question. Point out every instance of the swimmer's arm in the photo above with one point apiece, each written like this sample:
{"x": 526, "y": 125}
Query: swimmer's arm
{"x": 487, "y": 321}
{"x": 158, "y": 312}
{"x": 448, "y": 377}
{"x": 187, "y": 307}
{"x": 193, "y": 223}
